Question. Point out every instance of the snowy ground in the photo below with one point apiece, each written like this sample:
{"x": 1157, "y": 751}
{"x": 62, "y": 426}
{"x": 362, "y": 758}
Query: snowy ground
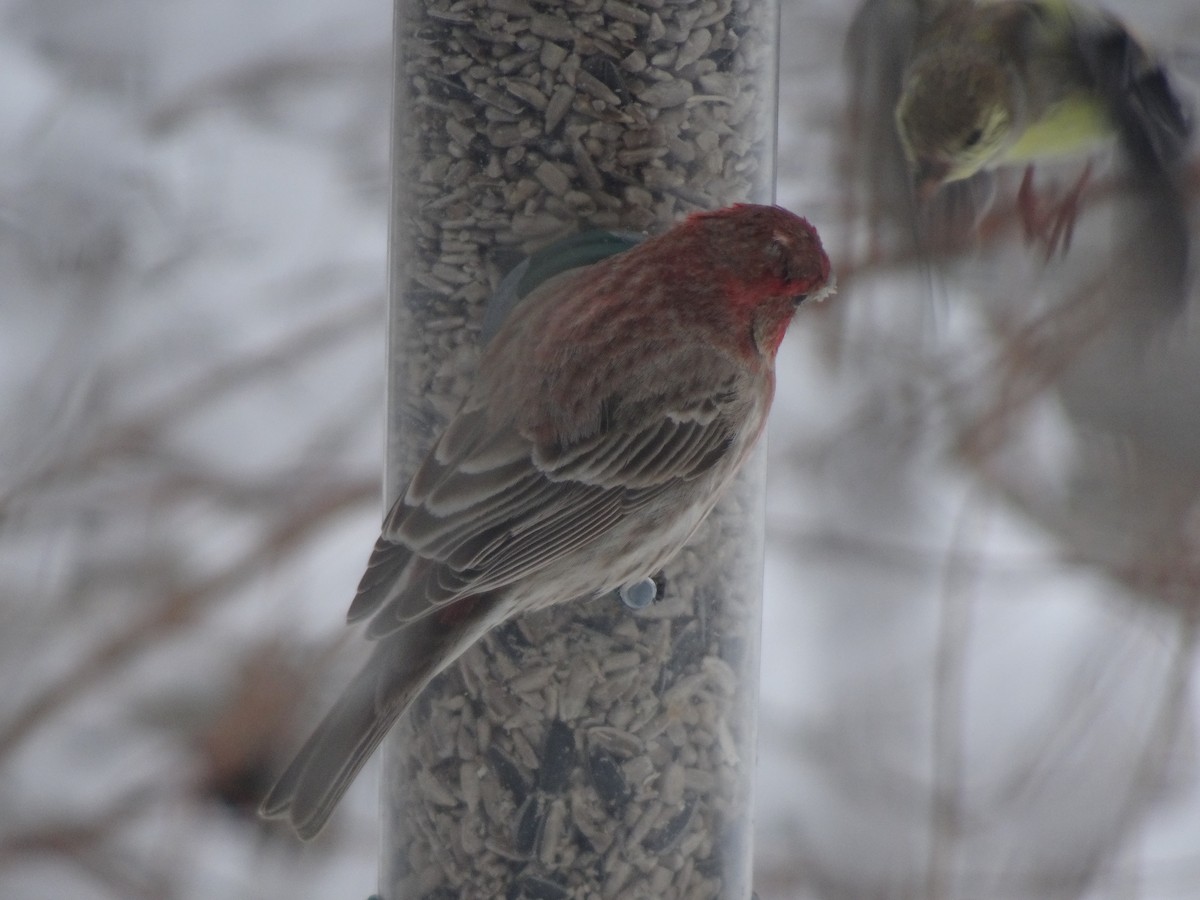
{"x": 192, "y": 241}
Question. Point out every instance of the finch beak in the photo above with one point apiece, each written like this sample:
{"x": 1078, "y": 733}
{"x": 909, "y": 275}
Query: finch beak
{"x": 928, "y": 178}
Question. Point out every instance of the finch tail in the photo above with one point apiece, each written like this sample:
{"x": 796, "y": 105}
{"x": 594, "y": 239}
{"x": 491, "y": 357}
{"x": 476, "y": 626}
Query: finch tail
{"x": 399, "y": 668}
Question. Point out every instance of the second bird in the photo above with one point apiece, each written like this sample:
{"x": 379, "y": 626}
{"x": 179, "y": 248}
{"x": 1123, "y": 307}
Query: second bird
{"x": 973, "y": 87}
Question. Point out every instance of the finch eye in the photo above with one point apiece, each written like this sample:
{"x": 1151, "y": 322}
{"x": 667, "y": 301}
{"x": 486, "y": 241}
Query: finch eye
{"x": 798, "y": 299}
{"x": 973, "y": 139}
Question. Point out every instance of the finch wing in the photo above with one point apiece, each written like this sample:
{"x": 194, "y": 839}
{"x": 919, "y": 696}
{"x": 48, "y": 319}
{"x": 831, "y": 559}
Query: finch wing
{"x": 878, "y": 47}
{"x": 1153, "y": 129}
{"x": 487, "y": 509}
{"x": 878, "y": 186}
{"x": 1149, "y": 117}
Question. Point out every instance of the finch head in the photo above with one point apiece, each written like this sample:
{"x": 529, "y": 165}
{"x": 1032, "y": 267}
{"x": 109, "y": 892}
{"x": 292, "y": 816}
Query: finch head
{"x": 764, "y": 261}
{"x": 954, "y": 118}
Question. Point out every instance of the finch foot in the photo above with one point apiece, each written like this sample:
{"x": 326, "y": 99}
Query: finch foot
{"x": 1053, "y": 227}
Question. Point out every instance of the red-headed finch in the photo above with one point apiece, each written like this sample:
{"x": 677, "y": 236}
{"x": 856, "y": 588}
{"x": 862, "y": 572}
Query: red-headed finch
{"x": 611, "y": 409}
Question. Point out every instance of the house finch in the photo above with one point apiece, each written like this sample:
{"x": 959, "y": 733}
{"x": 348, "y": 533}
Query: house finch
{"x": 974, "y": 87}
{"x": 611, "y": 409}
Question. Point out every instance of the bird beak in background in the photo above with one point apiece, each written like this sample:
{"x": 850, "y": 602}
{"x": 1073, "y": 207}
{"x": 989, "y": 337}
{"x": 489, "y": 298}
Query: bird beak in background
{"x": 928, "y": 177}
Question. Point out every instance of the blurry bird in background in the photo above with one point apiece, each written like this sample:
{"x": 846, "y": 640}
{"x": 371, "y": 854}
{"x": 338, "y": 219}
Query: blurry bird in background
{"x": 237, "y": 745}
{"x": 947, "y": 92}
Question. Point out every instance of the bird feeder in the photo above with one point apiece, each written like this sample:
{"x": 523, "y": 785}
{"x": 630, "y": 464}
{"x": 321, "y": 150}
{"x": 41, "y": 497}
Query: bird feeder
{"x": 588, "y": 750}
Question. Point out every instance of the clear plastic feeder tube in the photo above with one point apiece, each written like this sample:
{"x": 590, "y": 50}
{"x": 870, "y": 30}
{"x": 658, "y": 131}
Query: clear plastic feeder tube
{"x": 590, "y": 750}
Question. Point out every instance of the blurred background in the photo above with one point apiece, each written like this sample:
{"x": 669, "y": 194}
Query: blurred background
{"x": 984, "y": 538}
